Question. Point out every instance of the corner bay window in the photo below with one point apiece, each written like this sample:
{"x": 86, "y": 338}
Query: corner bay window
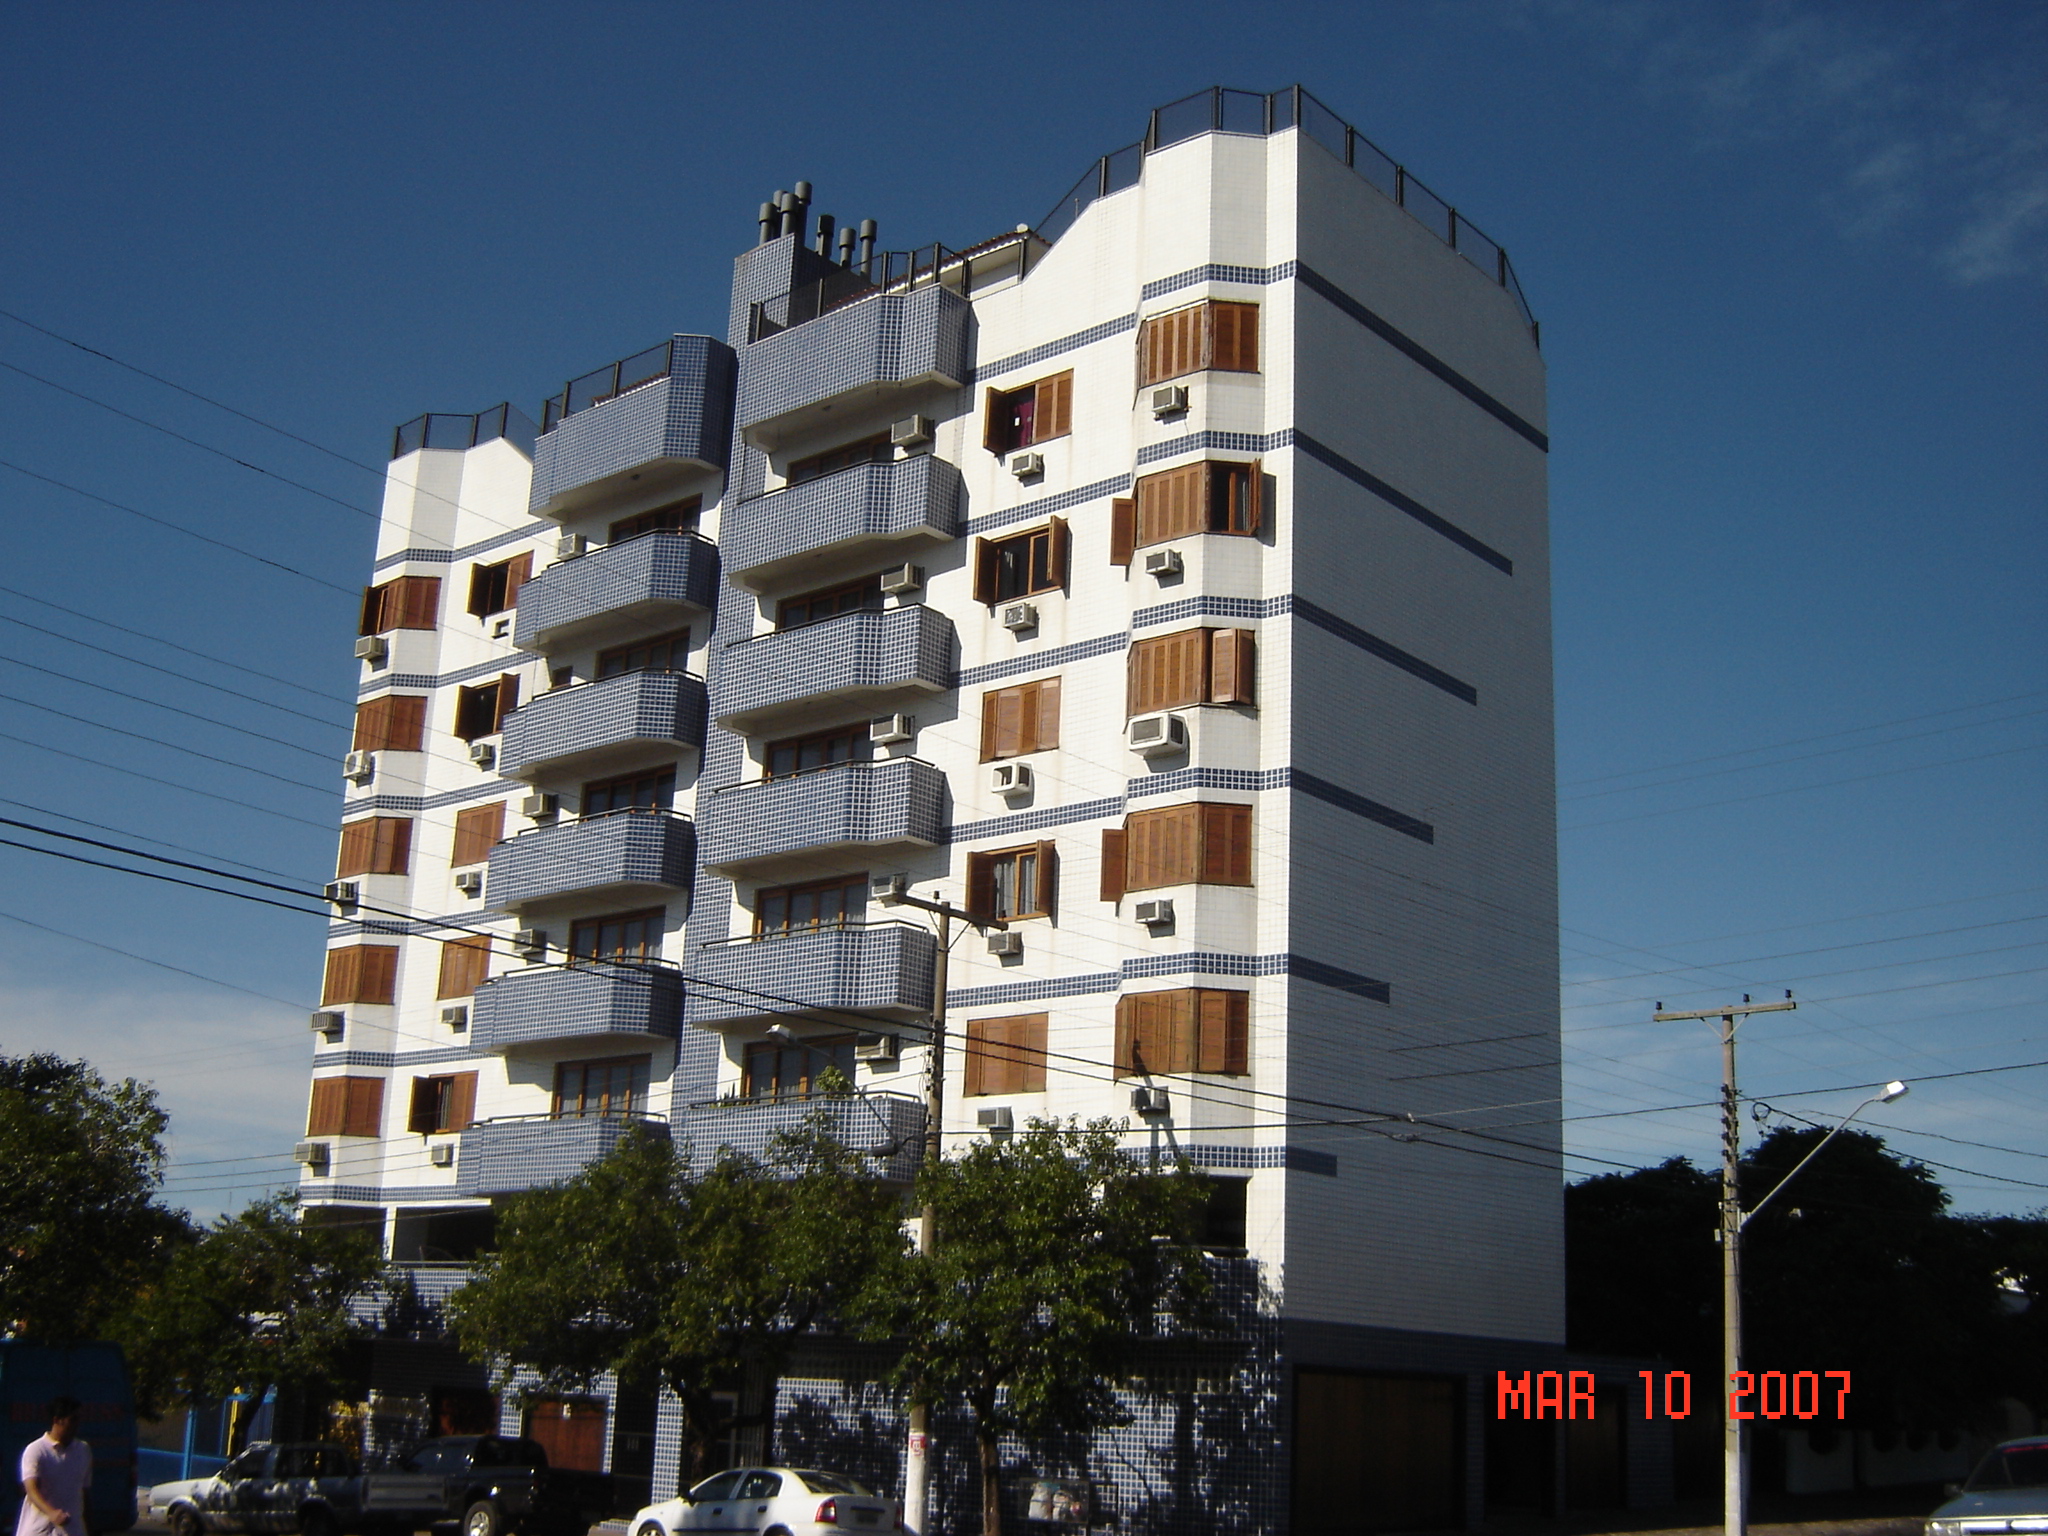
{"x": 822, "y": 749}
{"x": 664, "y": 653}
{"x": 813, "y": 607}
{"x": 481, "y": 711}
{"x": 495, "y": 588}
{"x": 361, "y": 973}
{"x": 1209, "y": 497}
{"x": 792, "y": 1071}
{"x": 404, "y": 602}
{"x": 1195, "y": 666}
{"x": 615, "y": 1086}
{"x": 441, "y": 1103}
{"x": 391, "y": 722}
{"x": 1197, "y": 844}
{"x": 1005, "y": 1055}
{"x": 1013, "y": 882}
{"x": 346, "y": 1106}
{"x": 679, "y": 517}
{"x": 625, "y": 936}
{"x": 375, "y": 845}
{"x": 1035, "y": 413}
{"x": 1187, "y": 1029}
{"x": 1214, "y": 334}
{"x": 654, "y": 790}
{"x": 806, "y": 908}
{"x": 1022, "y": 564}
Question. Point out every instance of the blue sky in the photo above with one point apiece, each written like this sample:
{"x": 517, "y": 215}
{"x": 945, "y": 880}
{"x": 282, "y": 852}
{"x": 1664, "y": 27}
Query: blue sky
{"x": 1789, "y": 261}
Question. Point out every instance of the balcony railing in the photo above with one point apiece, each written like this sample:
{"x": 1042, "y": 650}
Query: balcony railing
{"x": 895, "y": 803}
{"x": 439, "y": 430}
{"x": 521, "y": 1152}
{"x": 855, "y": 661}
{"x": 596, "y": 1000}
{"x": 887, "y": 1127}
{"x": 645, "y": 585}
{"x": 626, "y": 854}
{"x": 660, "y": 415}
{"x": 871, "y": 514}
{"x": 615, "y": 722}
{"x": 868, "y": 968}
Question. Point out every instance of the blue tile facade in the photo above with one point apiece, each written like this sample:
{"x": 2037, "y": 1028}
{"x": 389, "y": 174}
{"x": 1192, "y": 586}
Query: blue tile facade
{"x": 883, "y": 340}
{"x": 503, "y": 1157}
{"x": 898, "y": 506}
{"x": 684, "y": 419}
{"x": 627, "y": 853}
{"x": 589, "y": 721}
{"x": 882, "y": 966}
{"x": 555, "y": 1004}
{"x": 890, "y": 1126}
{"x": 883, "y": 804}
{"x": 855, "y": 657}
{"x": 661, "y": 579}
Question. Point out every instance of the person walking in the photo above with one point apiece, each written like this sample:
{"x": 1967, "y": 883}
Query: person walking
{"x": 56, "y": 1470}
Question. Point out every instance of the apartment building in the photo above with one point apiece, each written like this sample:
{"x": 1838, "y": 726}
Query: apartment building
{"x": 1170, "y": 579}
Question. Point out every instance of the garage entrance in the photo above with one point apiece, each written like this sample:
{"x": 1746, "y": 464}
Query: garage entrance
{"x": 1377, "y": 1453}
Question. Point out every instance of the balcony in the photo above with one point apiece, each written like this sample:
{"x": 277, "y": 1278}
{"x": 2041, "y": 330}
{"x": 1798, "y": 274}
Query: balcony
{"x": 661, "y": 416}
{"x": 891, "y": 805}
{"x": 871, "y": 514}
{"x": 887, "y": 1126}
{"x": 871, "y": 968}
{"x": 613, "y": 1004}
{"x": 618, "y": 723}
{"x": 864, "y": 353}
{"x": 504, "y": 1157}
{"x": 624, "y": 856}
{"x": 645, "y": 586}
{"x": 855, "y": 662}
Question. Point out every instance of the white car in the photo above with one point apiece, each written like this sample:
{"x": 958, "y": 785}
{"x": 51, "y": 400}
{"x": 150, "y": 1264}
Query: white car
{"x": 772, "y": 1501}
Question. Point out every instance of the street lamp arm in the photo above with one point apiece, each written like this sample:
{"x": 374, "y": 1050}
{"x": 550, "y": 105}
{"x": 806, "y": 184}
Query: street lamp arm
{"x": 1891, "y": 1091}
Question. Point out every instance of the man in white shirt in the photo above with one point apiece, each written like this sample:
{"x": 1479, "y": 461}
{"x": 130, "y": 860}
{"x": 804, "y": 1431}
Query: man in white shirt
{"x": 56, "y": 1470}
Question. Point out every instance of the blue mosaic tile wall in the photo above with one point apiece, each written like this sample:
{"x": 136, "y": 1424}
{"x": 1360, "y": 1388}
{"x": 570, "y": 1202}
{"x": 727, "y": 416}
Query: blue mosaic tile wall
{"x": 1045, "y": 506}
{"x": 892, "y": 800}
{"x": 889, "y": 338}
{"x": 502, "y": 1157}
{"x": 555, "y": 1003}
{"x": 855, "y": 652}
{"x": 489, "y": 667}
{"x": 468, "y": 551}
{"x": 1186, "y": 963}
{"x": 687, "y": 415}
{"x": 1227, "y": 442}
{"x": 883, "y": 965}
{"x": 921, "y": 494}
{"x": 866, "y": 1123}
{"x": 563, "y": 723}
{"x": 621, "y": 849}
{"x": 657, "y": 576}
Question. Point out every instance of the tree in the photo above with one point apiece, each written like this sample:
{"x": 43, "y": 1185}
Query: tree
{"x": 646, "y": 1265}
{"x": 80, "y": 1225}
{"x": 1055, "y": 1254}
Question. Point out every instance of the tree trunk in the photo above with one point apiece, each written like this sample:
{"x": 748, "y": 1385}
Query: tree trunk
{"x": 991, "y": 1480}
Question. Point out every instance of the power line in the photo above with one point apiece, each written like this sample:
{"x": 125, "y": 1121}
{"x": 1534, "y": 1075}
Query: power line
{"x": 163, "y": 783}
{"x": 225, "y": 762}
{"x": 136, "y": 698}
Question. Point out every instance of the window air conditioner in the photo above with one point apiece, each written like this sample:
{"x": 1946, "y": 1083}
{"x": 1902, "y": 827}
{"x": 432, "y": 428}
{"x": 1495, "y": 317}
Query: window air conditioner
{"x": 886, "y": 730}
{"x": 470, "y": 882}
{"x": 313, "y": 1154}
{"x": 342, "y": 893}
{"x": 529, "y": 943}
{"x": 887, "y": 890}
{"x": 1156, "y": 735}
{"x": 1154, "y": 913}
{"x": 482, "y": 753}
{"x": 1169, "y": 400}
{"x": 359, "y": 767}
{"x": 1151, "y": 1101}
{"x": 997, "y": 1122}
{"x": 442, "y": 1155}
{"x": 1019, "y": 616}
{"x": 538, "y": 806}
{"x": 912, "y": 432}
{"x": 902, "y": 578}
{"x": 1010, "y": 778}
{"x": 1008, "y": 942}
{"x": 1162, "y": 562}
{"x": 372, "y": 648}
{"x": 874, "y": 1048}
{"x": 328, "y": 1024}
{"x": 1025, "y": 465}
{"x": 456, "y": 1017}
{"x": 570, "y": 545}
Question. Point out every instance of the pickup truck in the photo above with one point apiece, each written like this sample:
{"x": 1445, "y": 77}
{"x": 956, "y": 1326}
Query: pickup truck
{"x": 492, "y": 1485}
{"x": 312, "y": 1489}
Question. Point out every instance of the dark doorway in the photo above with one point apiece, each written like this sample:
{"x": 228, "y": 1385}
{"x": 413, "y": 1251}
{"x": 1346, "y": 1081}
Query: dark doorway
{"x": 1595, "y": 1474}
{"x": 633, "y": 1414}
{"x": 1521, "y": 1466}
{"x": 1376, "y": 1453}
{"x": 464, "y": 1411}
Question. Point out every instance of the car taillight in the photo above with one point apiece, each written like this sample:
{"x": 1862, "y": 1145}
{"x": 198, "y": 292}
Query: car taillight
{"x": 828, "y": 1513}
{"x": 899, "y": 1517}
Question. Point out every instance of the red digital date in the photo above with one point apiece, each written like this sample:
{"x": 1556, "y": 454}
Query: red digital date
{"x": 1560, "y": 1394}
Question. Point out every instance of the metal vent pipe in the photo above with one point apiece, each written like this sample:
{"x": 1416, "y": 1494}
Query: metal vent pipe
{"x": 868, "y": 231}
{"x": 825, "y": 225}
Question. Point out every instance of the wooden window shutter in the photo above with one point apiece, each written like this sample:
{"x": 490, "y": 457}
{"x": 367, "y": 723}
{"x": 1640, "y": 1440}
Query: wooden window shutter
{"x": 1212, "y": 1030}
{"x": 986, "y": 563}
{"x": 405, "y": 722}
{"x": 1169, "y": 671}
{"x": 323, "y": 1115}
{"x": 1002, "y": 723}
{"x": 1046, "y": 734}
{"x": 1113, "y": 886}
{"x": 1256, "y": 495}
{"x": 358, "y": 848}
{"x": 1237, "y": 1032}
{"x": 1123, "y": 530}
{"x": 1052, "y": 413}
{"x": 1226, "y": 852}
{"x": 1172, "y": 344}
{"x": 480, "y": 590}
{"x": 999, "y": 1040}
{"x": 477, "y": 831}
{"x": 518, "y": 572}
{"x": 1060, "y": 551}
{"x": 974, "y": 1073}
{"x": 377, "y": 974}
{"x": 1230, "y": 666}
{"x": 981, "y": 884}
{"x": 371, "y": 724}
{"x": 1048, "y": 877}
{"x": 373, "y": 611}
{"x": 392, "y": 854}
{"x": 419, "y": 602}
{"x": 1183, "y": 1020}
{"x": 464, "y": 965}
{"x": 422, "y": 1111}
{"x": 1125, "y": 1061}
{"x": 462, "y": 1101}
{"x": 1163, "y": 846}
{"x": 363, "y": 1108}
{"x": 995, "y": 428}
{"x": 1173, "y": 504}
{"x": 508, "y": 699}
{"x": 1234, "y": 337}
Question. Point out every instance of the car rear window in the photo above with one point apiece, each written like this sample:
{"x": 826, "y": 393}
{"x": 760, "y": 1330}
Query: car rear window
{"x": 833, "y": 1482}
{"x": 2017, "y": 1466}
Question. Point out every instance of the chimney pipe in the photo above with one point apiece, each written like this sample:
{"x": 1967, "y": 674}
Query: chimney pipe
{"x": 824, "y": 245}
{"x": 803, "y": 212}
{"x": 766, "y": 219}
{"x": 786, "y": 213}
{"x": 868, "y": 230}
{"x": 846, "y": 246}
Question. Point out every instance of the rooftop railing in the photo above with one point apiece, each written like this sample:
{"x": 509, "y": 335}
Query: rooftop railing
{"x": 439, "y": 429}
{"x": 609, "y": 382}
{"x": 887, "y": 272}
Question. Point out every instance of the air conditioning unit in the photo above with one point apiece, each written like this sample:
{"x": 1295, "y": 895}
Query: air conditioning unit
{"x": 1151, "y": 1101}
{"x": 875, "y": 1048}
{"x": 359, "y": 767}
{"x": 887, "y": 890}
{"x": 456, "y": 1017}
{"x": 887, "y": 730}
{"x": 1154, "y": 913}
{"x": 1025, "y": 465}
{"x": 470, "y": 882}
{"x": 442, "y": 1154}
{"x": 1162, "y": 562}
{"x": 313, "y": 1154}
{"x": 537, "y": 807}
{"x": 1008, "y": 942}
{"x": 343, "y": 893}
{"x": 530, "y": 944}
{"x": 997, "y": 1122}
{"x": 1019, "y": 616}
{"x": 328, "y": 1024}
{"x": 372, "y": 648}
{"x": 912, "y": 432}
{"x": 1169, "y": 400}
{"x": 570, "y": 545}
{"x": 482, "y": 753}
{"x": 902, "y": 578}
{"x": 1010, "y": 778}
{"x": 1157, "y": 735}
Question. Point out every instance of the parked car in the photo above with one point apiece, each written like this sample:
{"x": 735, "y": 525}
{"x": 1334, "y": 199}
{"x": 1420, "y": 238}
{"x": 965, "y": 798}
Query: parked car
{"x": 773, "y": 1501}
{"x": 2009, "y": 1490}
{"x": 489, "y": 1484}
{"x": 313, "y": 1489}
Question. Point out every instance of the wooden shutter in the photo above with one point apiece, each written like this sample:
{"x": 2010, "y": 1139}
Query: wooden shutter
{"x": 461, "y": 1101}
{"x": 981, "y": 886}
{"x": 422, "y": 1111}
{"x": 405, "y": 724}
{"x": 323, "y": 1115}
{"x": 1162, "y": 847}
{"x": 1256, "y": 496}
{"x": 1059, "y": 554}
{"x": 1234, "y": 337}
{"x": 362, "y": 1111}
{"x": 1113, "y": 884}
{"x": 477, "y": 831}
{"x": 1048, "y": 878}
{"x": 419, "y": 602}
{"x": 373, "y": 611}
{"x": 1173, "y": 503}
{"x": 1226, "y": 852}
{"x": 1230, "y": 666}
{"x": 358, "y": 847}
{"x": 986, "y": 564}
{"x": 1224, "y": 1030}
{"x": 974, "y": 1072}
{"x": 1052, "y": 413}
{"x": 1123, "y": 530}
{"x": 464, "y": 965}
{"x": 370, "y": 724}
{"x": 480, "y": 589}
{"x": 1182, "y": 1023}
{"x": 1124, "y": 1063}
{"x": 1169, "y": 671}
{"x": 392, "y": 853}
{"x": 518, "y": 572}
{"x": 1002, "y": 723}
{"x": 361, "y": 973}
{"x": 508, "y": 700}
{"x": 1172, "y": 344}
{"x": 995, "y": 423}
{"x": 1046, "y": 717}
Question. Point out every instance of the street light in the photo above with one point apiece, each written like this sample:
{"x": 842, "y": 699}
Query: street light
{"x": 1891, "y": 1091}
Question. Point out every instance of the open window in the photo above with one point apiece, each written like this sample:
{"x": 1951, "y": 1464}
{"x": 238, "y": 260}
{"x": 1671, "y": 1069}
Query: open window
{"x": 1213, "y": 496}
{"x": 1035, "y": 413}
{"x": 1215, "y": 334}
{"x": 404, "y": 602}
{"x": 481, "y": 711}
{"x": 1201, "y": 843}
{"x": 1192, "y": 666}
{"x": 1186, "y": 1029}
{"x": 495, "y": 588}
{"x": 440, "y": 1104}
{"x": 1023, "y": 563}
{"x": 677, "y": 517}
{"x": 1013, "y": 882}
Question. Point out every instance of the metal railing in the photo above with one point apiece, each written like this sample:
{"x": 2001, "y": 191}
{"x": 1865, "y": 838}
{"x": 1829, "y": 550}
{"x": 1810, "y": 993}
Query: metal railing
{"x": 886, "y": 272}
{"x": 810, "y": 930}
{"x": 873, "y": 764}
{"x": 439, "y": 429}
{"x": 609, "y": 382}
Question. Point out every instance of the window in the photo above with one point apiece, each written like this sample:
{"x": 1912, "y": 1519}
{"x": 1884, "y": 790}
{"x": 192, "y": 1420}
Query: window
{"x": 477, "y": 831}
{"x": 464, "y": 965}
{"x": 1197, "y": 844}
{"x": 1209, "y": 497}
{"x": 376, "y": 845}
{"x": 680, "y": 517}
{"x": 391, "y": 722}
{"x": 495, "y": 588}
{"x": 805, "y": 908}
{"x": 1021, "y": 719}
{"x": 664, "y": 653}
{"x": 792, "y": 1071}
{"x": 1214, "y": 334}
{"x": 405, "y": 602}
{"x": 1195, "y": 666}
{"x": 626, "y": 936}
{"x": 1037, "y": 413}
{"x": 1223, "y": 1218}
{"x": 616, "y": 1086}
{"x": 1013, "y": 882}
{"x": 1023, "y": 564}
{"x": 801, "y": 754}
{"x": 869, "y": 450}
{"x": 441, "y": 1103}
{"x": 361, "y": 973}
{"x": 796, "y": 612}
{"x": 346, "y": 1106}
{"x": 654, "y": 790}
{"x": 481, "y": 711}
{"x": 1189, "y": 1029}
{"x": 1006, "y": 1055}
